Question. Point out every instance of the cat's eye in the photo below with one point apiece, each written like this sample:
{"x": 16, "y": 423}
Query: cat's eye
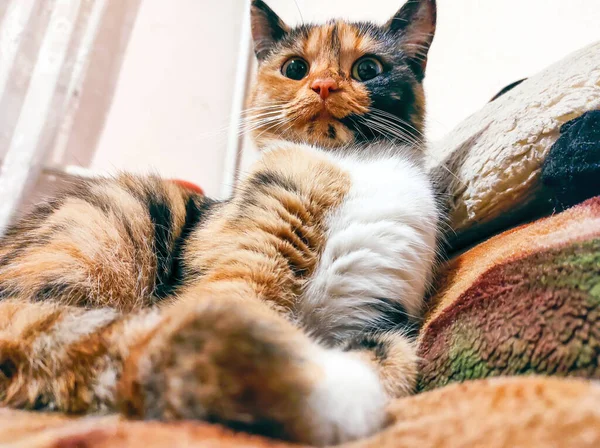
{"x": 366, "y": 68}
{"x": 295, "y": 68}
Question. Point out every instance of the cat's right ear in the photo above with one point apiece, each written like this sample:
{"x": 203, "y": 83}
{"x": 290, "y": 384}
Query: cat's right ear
{"x": 267, "y": 28}
{"x": 414, "y": 27}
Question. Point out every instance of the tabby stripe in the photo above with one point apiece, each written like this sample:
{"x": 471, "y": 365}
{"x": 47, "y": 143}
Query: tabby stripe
{"x": 162, "y": 219}
{"x": 335, "y": 44}
{"x": 373, "y": 344}
{"x": 197, "y": 210}
{"x": 331, "y": 132}
{"x": 391, "y": 315}
{"x": 268, "y": 178}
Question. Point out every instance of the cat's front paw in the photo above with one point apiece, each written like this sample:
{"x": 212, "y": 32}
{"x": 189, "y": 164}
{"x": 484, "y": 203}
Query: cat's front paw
{"x": 348, "y": 401}
{"x": 252, "y": 372}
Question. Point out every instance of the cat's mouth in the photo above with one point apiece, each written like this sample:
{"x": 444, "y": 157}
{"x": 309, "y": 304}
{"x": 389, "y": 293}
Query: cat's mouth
{"x": 321, "y": 123}
{"x": 326, "y": 130}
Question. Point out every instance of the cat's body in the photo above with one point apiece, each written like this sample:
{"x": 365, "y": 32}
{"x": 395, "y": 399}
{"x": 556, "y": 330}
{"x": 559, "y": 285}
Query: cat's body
{"x": 284, "y": 310}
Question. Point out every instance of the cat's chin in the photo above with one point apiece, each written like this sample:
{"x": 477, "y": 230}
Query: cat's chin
{"x": 325, "y": 133}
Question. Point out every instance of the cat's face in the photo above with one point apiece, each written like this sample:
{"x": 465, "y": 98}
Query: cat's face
{"x": 340, "y": 83}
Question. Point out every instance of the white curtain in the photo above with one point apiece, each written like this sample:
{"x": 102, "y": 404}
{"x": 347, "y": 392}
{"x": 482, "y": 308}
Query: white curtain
{"x": 59, "y": 59}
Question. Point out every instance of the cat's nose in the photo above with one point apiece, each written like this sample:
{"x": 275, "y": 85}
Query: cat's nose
{"x": 323, "y": 87}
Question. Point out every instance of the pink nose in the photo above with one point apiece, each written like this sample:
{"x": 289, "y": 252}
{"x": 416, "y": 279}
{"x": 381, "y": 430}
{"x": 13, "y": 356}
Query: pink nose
{"x": 324, "y": 87}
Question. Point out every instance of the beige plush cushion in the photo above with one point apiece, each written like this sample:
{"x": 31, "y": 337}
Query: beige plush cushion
{"x": 490, "y": 164}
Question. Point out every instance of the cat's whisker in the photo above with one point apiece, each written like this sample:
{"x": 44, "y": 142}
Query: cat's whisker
{"x": 259, "y": 115}
{"x": 290, "y": 124}
{"x": 449, "y": 171}
{"x": 384, "y": 135}
{"x": 244, "y": 122}
{"x": 272, "y": 126}
{"x": 397, "y": 124}
{"x": 397, "y": 119}
{"x": 259, "y": 125}
{"x": 280, "y": 105}
{"x": 427, "y": 156}
{"x": 387, "y": 129}
{"x": 357, "y": 129}
{"x": 258, "y": 122}
{"x": 299, "y": 12}
{"x": 262, "y": 115}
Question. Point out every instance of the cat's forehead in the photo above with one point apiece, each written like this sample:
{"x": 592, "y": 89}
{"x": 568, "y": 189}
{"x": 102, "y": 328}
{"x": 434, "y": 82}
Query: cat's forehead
{"x": 337, "y": 37}
{"x": 334, "y": 39}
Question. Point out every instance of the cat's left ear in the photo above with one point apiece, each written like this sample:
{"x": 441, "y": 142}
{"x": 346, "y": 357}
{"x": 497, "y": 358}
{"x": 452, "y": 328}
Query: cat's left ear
{"x": 414, "y": 27}
{"x": 267, "y": 28}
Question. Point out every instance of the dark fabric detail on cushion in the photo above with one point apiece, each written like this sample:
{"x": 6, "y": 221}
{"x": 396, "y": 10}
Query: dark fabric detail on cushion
{"x": 571, "y": 171}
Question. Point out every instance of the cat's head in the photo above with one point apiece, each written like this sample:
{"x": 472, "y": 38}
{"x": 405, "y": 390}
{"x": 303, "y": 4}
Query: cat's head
{"x": 340, "y": 83}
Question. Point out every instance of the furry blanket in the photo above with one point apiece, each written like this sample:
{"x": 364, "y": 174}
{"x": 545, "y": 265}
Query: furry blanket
{"x": 509, "y": 412}
{"x": 526, "y": 301}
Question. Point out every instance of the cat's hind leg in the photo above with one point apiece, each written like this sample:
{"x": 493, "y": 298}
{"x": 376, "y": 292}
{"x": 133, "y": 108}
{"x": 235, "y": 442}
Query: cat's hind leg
{"x": 113, "y": 242}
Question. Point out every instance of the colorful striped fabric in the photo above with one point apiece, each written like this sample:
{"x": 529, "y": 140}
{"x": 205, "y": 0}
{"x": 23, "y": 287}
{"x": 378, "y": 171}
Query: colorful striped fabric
{"x": 524, "y": 302}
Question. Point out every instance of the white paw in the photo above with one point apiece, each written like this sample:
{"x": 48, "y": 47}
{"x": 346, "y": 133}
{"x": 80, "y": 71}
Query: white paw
{"x": 348, "y": 402}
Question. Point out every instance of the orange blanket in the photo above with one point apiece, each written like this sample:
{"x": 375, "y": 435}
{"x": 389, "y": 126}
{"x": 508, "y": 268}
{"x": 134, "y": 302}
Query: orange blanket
{"x": 516, "y": 412}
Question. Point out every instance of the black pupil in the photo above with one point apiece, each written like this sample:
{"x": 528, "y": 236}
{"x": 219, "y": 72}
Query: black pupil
{"x": 367, "y": 69}
{"x": 296, "y": 69}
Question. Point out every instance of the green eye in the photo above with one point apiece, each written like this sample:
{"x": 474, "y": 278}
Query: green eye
{"x": 366, "y": 68}
{"x": 295, "y": 68}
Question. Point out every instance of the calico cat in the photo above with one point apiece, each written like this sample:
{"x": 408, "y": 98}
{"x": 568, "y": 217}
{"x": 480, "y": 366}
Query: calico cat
{"x": 284, "y": 310}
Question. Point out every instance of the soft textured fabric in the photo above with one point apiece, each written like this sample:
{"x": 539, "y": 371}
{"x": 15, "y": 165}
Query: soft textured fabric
{"x": 526, "y": 301}
{"x": 489, "y": 166}
{"x": 508, "y": 412}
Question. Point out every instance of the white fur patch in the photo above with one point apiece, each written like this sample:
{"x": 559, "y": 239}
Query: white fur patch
{"x": 348, "y": 403}
{"x": 381, "y": 244}
{"x": 105, "y": 384}
{"x": 70, "y": 329}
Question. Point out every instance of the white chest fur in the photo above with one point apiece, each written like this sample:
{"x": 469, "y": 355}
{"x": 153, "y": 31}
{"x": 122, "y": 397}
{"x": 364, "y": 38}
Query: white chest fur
{"x": 380, "y": 248}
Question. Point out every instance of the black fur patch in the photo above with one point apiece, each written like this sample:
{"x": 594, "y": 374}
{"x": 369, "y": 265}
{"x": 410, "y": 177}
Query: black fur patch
{"x": 269, "y": 178}
{"x": 162, "y": 220}
{"x": 335, "y": 44}
{"x": 393, "y": 316}
{"x": 260, "y": 183}
{"x": 197, "y": 209}
{"x": 51, "y": 291}
{"x": 8, "y": 368}
{"x": 371, "y": 343}
{"x": 331, "y": 132}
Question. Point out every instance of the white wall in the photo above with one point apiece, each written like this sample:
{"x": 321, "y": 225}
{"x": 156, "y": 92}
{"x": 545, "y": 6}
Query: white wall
{"x": 173, "y": 97}
{"x": 175, "y": 87}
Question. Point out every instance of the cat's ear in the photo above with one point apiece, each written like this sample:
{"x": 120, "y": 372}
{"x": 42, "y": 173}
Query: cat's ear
{"x": 414, "y": 26}
{"x": 267, "y": 28}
